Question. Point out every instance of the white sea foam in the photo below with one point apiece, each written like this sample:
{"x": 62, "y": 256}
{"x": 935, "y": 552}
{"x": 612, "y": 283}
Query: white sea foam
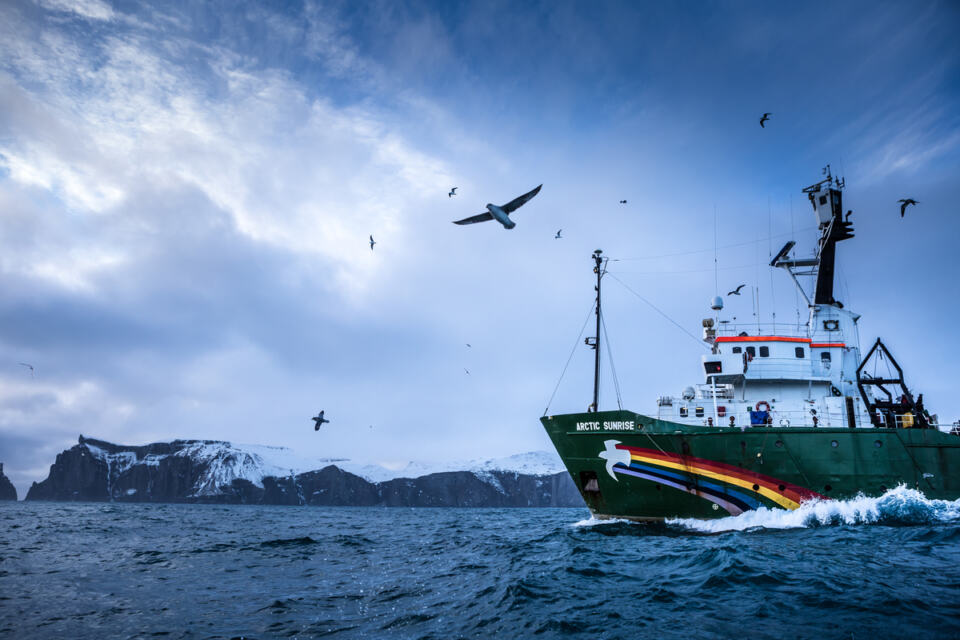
{"x": 593, "y": 522}
{"x": 897, "y": 506}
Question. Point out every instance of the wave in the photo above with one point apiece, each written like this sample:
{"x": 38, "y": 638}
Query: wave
{"x": 898, "y": 506}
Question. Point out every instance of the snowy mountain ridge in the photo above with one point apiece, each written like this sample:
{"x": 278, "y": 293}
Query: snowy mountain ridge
{"x": 225, "y": 462}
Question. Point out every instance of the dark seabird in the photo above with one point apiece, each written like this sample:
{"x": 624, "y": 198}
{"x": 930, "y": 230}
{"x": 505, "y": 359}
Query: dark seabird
{"x": 372, "y": 243}
{"x": 502, "y": 213}
{"x": 765, "y": 117}
{"x": 465, "y": 369}
{"x": 452, "y": 193}
{"x": 623, "y": 202}
{"x": 318, "y": 420}
{"x": 736, "y": 291}
{"x": 904, "y": 203}
{"x": 28, "y": 366}
{"x": 558, "y": 236}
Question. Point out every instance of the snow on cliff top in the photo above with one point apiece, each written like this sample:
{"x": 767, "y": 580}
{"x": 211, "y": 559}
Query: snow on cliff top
{"x": 227, "y": 461}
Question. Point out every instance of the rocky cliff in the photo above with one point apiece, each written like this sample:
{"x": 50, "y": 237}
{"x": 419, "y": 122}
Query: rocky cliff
{"x": 214, "y": 471}
{"x": 7, "y": 490}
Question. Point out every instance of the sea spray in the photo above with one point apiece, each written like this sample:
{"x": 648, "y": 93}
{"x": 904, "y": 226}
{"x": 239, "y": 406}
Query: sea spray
{"x": 898, "y": 506}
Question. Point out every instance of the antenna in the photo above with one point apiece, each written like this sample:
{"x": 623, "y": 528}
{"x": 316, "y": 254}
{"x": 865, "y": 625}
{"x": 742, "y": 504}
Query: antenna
{"x": 716, "y": 269}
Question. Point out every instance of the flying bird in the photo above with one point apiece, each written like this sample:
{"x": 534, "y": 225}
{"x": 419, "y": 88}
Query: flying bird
{"x": 28, "y": 366}
{"x": 904, "y": 203}
{"x": 469, "y": 345}
{"x": 502, "y": 213}
{"x": 318, "y": 421}
{"x": 623, "y": 202}
{"x": 452, "y": 193}
{"x": 736, "y": 291}
{"x": 764, "y": 118}
{"x": 465, "y": 369}
{"x": 558, "y": 236}
{"x": 372, "y": 242}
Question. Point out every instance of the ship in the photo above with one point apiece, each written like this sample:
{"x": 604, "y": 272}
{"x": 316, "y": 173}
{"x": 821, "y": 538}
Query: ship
{"x": 785, "y": 414}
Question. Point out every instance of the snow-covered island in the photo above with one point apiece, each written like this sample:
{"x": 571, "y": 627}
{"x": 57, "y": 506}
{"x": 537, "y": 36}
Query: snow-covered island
{"x": 217, "y": 471}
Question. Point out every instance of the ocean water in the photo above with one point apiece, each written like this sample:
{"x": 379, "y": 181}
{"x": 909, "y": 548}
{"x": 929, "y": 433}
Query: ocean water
{"x": 884, "y": 567}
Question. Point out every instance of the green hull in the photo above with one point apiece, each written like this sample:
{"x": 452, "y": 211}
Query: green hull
{"x": 627, "y": 465}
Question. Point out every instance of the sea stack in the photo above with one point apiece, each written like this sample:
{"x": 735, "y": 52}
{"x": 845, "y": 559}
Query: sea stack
{"x": 7, "y": 490}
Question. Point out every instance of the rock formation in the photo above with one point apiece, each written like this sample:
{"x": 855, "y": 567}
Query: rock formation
{"x": 7, "y": 490}
{"x": 215, "y": 471}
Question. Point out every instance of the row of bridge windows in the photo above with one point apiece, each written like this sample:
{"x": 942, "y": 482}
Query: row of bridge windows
{"x": 764, "y": 352}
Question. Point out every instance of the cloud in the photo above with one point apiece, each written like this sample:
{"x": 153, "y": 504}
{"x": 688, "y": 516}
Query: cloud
{"x": 92, "y": 9}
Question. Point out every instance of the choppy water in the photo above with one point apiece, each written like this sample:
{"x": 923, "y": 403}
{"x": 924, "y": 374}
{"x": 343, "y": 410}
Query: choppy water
{"x": 869, "y": 568}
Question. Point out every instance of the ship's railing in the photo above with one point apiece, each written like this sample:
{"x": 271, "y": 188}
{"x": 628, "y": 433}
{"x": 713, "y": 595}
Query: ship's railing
{"x": 787, "y": 329}
{"x": 797, "y": 418}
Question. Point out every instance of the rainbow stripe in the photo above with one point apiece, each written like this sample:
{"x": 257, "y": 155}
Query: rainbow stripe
{"x": 734, "y": 489}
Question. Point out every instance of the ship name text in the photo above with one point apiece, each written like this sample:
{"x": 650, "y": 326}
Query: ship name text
{"x": 607, "y": 425}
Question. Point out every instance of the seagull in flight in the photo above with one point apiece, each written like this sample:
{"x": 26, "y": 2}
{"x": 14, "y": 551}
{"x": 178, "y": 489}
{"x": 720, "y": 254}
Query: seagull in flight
{"x": 452, "y": 193}
{"x": 904, "y": 203}
{"x": 736, "y": 291}
{"x": 28, "y": 366}
{"x": 465, "y": 369}
{"x": 470, "y": 346}
{"x": 372, "y": 242}
{"x": 318, "y": 421}
{"x": 502, "y": 213}
{"x": 558, "y": 236}
{"x": 764, "y": 118}
{"x": 623, "y": 202}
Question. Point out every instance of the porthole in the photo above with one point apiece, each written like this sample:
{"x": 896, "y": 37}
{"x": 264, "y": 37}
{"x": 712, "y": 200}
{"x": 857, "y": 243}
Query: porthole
{"x": 877, "y": 444}
{"x": 756, "y": 487}
{"x": 778, "y": 443}
{"x": 827, "y": 489}
{"x": 834, "y": 444}
{"x": 780, "y": 487}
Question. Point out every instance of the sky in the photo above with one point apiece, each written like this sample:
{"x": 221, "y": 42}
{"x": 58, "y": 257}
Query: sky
{"x": 187, "y": 191}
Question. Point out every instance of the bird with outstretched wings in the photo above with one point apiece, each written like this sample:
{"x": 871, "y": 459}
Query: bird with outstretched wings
{"x": 904, "y": 203}
{"x": 502, "y": 213}
{"x": 736, "y": 291}
{"x": 318, "y": 421}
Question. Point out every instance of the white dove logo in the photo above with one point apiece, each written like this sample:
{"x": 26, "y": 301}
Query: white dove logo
{"x": 613, "y": 455}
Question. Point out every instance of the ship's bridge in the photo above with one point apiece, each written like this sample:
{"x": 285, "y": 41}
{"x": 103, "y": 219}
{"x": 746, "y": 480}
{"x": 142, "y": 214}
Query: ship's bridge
{"x": 771, "y": 352}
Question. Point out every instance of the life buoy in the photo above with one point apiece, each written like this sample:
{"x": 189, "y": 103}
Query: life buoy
{"x": 764, "y": 404}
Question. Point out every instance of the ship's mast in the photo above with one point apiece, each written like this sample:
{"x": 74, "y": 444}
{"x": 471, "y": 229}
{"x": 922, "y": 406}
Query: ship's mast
{"x": 599, "y": 268}
{"x": 826, "y": 197}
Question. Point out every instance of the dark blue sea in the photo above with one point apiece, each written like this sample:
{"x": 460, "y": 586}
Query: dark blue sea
{"x": 869, "y": 569}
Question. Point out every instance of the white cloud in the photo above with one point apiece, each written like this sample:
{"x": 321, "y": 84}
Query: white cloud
{"x": 93, "y": 9}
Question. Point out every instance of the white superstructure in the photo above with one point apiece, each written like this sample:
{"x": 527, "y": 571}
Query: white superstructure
{"x": 796, "y": 376}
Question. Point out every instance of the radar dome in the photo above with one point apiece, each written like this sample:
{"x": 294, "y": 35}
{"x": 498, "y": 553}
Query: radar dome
{"x": 689, "y": 393}
{"x": 717, "y": 304}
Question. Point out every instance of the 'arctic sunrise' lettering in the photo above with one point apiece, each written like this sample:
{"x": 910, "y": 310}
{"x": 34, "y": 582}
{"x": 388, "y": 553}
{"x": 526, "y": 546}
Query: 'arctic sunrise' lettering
{"x": 622, "y": 425}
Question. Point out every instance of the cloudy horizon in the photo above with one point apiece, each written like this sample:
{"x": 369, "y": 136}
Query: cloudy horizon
{"x": 187, "y": 191}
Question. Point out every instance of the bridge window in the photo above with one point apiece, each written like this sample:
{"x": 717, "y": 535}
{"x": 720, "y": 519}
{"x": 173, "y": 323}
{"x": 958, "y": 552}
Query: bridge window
{"x": 683, "y": 412}
{"x": 699, "y": 412}
{"x": 736, "y": 350}
{"x": 712, "y": 367}
{"x": 751, "y": 351}
{"x": 825, "y": 356}
{"x": 799, "y": 352}
{"x": 764, "y": 352}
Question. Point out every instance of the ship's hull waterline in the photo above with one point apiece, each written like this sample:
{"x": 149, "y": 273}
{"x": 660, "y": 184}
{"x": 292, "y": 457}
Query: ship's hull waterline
{"x": 632, "y": 466}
